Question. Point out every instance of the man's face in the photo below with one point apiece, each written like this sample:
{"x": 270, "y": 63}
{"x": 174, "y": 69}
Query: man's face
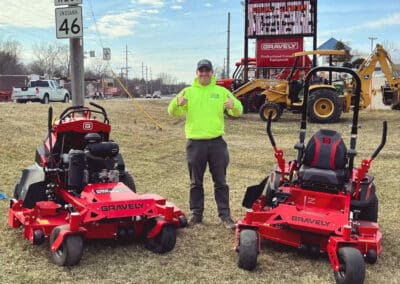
{"x": 204, "y": 74}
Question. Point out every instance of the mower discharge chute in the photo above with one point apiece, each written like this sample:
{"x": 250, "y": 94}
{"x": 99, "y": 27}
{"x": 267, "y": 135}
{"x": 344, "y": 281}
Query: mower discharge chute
{"x": 318, "y": 202}
{"x": 79, "y": 189}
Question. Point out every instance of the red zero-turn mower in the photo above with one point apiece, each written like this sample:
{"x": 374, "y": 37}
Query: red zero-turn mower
{"x": 318, "y": 202}
{"x": 79, "y": 189}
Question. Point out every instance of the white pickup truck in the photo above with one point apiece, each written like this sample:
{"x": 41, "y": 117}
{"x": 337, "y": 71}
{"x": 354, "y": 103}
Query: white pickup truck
{"x": 43, "y": 91}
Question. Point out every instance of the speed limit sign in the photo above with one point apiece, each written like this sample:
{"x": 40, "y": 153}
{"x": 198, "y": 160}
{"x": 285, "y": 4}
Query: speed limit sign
{"x": 69, "y": 22}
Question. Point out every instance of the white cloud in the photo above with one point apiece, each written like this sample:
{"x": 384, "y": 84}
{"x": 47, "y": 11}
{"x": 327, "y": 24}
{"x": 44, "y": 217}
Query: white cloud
{"x": 208, "y": 5}
{"x": 387, "y": 21}
{"x": 152, "y": 12}
{"x": 154, "y": 3}
{"x": 35, "y": 14}
{"x": 118, "y": 25}
{"x": 176, "y": 7}
{"x": 384, "y": 22}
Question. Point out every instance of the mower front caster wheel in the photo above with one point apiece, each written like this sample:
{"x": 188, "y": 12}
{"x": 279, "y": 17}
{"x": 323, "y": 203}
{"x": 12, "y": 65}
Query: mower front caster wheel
{"x": 248, "y": 249}
{"x": 352, "y": 266}
{"x": 71, "y": 250}
{"x": 164, "y": 241}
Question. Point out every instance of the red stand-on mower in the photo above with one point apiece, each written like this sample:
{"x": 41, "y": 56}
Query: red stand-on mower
{"x": 79, "y": 189}
{"x": 318, "y": 202}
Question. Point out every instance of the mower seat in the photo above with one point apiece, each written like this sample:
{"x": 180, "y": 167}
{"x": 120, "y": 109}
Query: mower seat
{"x": 324, "y": 164}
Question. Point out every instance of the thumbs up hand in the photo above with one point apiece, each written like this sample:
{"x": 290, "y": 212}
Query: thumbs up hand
{"x": 228, "y": 104}
{"x": 181, "y": 100}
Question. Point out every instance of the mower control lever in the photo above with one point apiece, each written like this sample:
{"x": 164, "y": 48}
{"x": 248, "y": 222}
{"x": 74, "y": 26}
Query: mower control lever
{"x": 278, "y": 153}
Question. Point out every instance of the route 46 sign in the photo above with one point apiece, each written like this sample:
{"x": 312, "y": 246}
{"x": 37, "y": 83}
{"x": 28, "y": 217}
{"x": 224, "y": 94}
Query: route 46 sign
{"x": 69, "y": 22}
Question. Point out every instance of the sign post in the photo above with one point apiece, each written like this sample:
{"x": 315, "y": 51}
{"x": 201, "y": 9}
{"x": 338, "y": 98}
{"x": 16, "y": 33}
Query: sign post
{"x": 69, "y": 24}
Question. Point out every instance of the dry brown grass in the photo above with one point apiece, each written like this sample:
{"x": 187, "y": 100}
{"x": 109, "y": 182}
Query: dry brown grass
{"x": 157, "y": 161}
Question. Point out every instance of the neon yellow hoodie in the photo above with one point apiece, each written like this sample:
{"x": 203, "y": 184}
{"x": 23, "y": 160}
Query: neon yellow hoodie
{"x": 204, "y": 109}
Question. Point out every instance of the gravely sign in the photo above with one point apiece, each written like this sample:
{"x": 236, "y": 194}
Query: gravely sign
{"x": 278, "y": 52}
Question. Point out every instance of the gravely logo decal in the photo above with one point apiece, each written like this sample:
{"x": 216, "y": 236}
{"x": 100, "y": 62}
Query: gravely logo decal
{"x": 119, "y": 207}
{"x": 310, "y": 221}
{"x": 279, "y": 45}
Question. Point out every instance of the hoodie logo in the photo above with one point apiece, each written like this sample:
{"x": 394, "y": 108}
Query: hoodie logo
{"x": 214, "y": 96}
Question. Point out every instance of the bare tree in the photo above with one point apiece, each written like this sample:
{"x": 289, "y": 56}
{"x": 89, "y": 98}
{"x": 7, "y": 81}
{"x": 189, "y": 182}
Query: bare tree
{"x": 50, "y": 58}
{"x": 9, "y": 61}
{"x": 97, "y": 66}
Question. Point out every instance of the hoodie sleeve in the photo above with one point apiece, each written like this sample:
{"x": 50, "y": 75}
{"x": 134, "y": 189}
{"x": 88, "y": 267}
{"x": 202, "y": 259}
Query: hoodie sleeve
{"x": 174, "y": 109}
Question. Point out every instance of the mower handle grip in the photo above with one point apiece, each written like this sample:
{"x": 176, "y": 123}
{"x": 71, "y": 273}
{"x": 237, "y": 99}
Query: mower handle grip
{"x": 269, "y": 132}
{"x": 102, "y": 110}
{"x": 71, "y": 108}
{"x": 383, "y": 140}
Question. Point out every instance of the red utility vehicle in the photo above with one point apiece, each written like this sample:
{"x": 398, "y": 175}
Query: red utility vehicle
{"x": 79, "y": 189}
{"x": 318, "y": 202}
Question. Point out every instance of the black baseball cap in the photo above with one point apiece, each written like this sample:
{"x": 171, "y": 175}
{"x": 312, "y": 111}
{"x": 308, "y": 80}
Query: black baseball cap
{"x": 204, "y": 63}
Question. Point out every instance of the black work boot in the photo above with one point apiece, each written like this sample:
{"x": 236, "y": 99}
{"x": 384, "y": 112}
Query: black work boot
{"x": 228, "y": 223}
{"x": 194, "y": 220}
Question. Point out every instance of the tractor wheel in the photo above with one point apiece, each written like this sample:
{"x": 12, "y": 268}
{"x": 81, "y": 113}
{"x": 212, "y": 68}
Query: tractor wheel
{"x": 164, "y": 241}
{"x": 71, "y": 250}
{"x": 248, "y": 249}
{"x": 352, "y": 266}
{"x": 66, "y": 99}
{"x": 127, "y": 179}
{"x": 370, "y": 213}
{"x": 266, "y": 108}
{"x": 324, "y": 106}
{"x": 45, "y": 99}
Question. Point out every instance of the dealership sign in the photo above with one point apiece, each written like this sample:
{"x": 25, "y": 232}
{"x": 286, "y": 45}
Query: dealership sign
{"x": 271, "y": 18}
{"x": 278, "y": 52}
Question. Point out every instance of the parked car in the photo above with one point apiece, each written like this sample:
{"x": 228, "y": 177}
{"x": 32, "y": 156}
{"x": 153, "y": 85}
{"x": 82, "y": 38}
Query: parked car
{"x": 157, "y": 95}
{"x": 43, "y": 91}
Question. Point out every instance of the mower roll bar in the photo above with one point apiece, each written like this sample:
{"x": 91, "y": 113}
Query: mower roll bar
{"x": 357, "y": 94}
{"x": 71, "y": 109}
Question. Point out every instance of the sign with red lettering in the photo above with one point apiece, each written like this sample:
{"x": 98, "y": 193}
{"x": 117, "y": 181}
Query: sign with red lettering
{"x": 278, "y": 52}
{"x": 279, "y": 17}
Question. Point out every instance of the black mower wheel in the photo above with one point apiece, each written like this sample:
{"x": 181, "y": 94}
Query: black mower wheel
{"x": 324, "y": 106}
{"x": 38, "y": 237}
{"x": 164, "y": 242}
{"x": 71, "y": 250}
{"x": 128, "y": 180}
{"x": 352, "y": 266}
{"x": 183, "y": 221}
{"x": 248, "y": 249}
{"x": 266, "y": 108}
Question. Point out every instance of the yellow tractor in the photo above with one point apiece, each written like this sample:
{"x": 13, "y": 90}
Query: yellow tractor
{"x": 390, "y": 91}
{"x": 325, "y": 102}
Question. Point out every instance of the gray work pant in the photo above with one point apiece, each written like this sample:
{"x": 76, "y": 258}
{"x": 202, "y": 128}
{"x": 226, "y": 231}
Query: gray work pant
{"x": 215, "y": 153}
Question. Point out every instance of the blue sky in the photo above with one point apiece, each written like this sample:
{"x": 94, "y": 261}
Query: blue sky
{"x": 170, "y": 36}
